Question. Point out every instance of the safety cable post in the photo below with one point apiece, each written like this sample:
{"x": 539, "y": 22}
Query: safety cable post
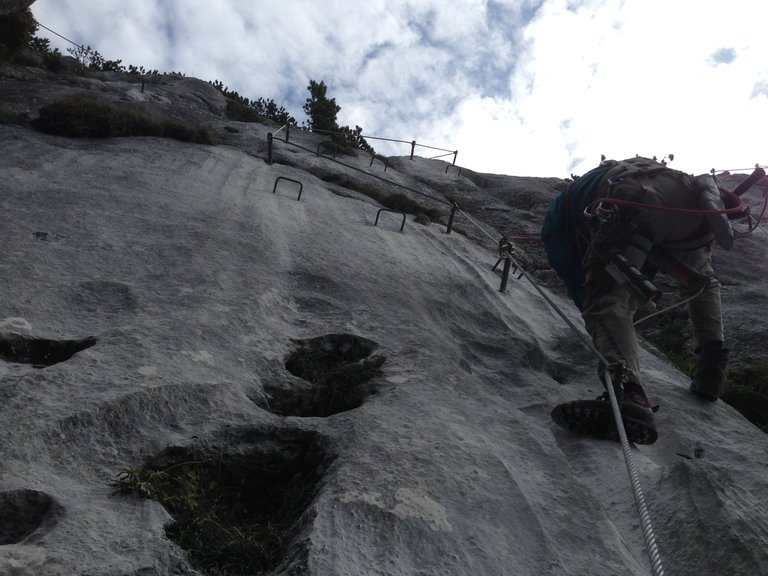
{"x": 505, "y": 273}
{"x": 454, "y": 207}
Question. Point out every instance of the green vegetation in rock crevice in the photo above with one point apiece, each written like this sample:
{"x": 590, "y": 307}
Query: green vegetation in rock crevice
{"x": 747, "y": 385}
{"x": 239, "y": 509}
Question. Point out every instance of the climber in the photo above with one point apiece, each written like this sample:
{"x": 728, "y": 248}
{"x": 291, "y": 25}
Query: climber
{"x": 638, "y": 214}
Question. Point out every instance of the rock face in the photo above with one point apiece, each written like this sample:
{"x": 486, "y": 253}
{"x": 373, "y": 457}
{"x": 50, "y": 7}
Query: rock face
{"x": 186, "y": 292}
{"x": 10, "y": 6}
{"x": 163, "y": 96}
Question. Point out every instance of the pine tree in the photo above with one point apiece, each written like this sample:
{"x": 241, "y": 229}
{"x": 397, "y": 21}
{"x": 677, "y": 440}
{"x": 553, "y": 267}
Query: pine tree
{"x": 321, "y": 111}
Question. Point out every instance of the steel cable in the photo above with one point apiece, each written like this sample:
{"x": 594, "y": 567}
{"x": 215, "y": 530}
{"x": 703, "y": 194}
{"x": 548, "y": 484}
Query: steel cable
{"x": 642, "y": 509}
{"x": 645, "y": 518}
{"x": 377, "y": 177}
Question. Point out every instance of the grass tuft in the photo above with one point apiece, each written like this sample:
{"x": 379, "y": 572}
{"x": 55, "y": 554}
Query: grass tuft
{"x": 232, "y": 515}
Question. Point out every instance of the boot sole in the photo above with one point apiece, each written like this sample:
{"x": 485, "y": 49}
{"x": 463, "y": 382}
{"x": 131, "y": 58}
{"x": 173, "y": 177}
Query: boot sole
{"x": 594, "y": 418}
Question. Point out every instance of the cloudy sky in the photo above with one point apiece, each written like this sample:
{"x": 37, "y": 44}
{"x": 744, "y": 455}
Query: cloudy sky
{"x": 521, "y": 87}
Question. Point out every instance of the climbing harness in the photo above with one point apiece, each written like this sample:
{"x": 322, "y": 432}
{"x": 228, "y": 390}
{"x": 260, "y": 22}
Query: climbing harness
{"x": 605, "y": 211}
{"x": 708, "y": 208}
{"x": 627, "y": 275}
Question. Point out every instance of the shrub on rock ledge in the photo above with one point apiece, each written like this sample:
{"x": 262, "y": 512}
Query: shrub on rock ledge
{"x": 84, "y": 117}
{"x": 16, "y": 32}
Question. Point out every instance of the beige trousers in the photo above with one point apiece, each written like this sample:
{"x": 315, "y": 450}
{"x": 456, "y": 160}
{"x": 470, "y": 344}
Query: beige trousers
{"x": 609, "y": 308}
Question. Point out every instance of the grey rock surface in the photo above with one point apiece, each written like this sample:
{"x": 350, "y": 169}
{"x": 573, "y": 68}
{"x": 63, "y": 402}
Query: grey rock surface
{"x": 180, "y": 277}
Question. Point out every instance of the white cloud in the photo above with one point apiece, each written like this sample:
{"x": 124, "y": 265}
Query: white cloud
{"x": 536, "y": 87}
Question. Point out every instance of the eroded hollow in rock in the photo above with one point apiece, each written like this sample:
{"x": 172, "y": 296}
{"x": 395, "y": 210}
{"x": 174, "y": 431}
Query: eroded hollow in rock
{"x": 338, "y": 369}
{"x": 40, "y": 352}
{"x": 22, "y": 512}
{"x": 94, "y": 296}
{"x": 240, "y": 508}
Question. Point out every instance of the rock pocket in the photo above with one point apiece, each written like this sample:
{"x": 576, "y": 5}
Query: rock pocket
{"x": 244, "y": 506}
{"x": 40, "y": 352}
{"x": 338, "y": 370}
{"x": 23, "y": 512}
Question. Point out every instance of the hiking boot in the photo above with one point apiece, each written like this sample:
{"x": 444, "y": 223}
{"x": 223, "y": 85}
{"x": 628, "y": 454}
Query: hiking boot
{"x": 708, "y": 380}
{"x": 619, "y": 373}
{"x": 635, "y": 399}
{"x": 636, "y": 413}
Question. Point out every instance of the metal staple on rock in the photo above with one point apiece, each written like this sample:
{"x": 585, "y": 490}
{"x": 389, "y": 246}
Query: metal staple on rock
{"x": 645, "y": 518}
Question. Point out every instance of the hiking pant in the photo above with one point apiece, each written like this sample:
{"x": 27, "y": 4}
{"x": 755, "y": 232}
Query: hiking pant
{"x": 609, "y": 308}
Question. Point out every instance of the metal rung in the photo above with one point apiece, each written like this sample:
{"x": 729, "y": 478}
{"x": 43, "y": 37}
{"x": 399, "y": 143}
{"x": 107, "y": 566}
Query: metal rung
{"x": 394, "y": 212}
{"x": 301, "y": 186}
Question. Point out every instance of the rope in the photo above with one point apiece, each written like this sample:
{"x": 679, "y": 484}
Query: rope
{"x": 755, "y": 223}
{"x": 527, "y": 239}
{"x": 670, "y": 307}
{"x": 645, "y": 519}
{"x": 661, "y": 208}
